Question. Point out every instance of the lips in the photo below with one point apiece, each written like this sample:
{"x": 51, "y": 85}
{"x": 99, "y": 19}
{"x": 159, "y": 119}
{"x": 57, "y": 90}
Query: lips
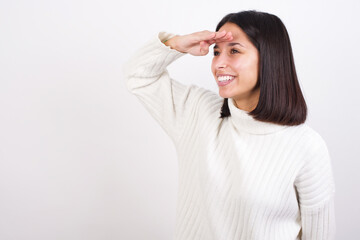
{"x": 223, "y": 83}
{"x": 224, "y": 79}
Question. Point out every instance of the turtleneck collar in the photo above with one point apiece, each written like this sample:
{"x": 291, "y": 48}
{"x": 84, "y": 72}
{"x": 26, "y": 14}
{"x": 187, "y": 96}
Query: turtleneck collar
{"x": 244, "y": 122}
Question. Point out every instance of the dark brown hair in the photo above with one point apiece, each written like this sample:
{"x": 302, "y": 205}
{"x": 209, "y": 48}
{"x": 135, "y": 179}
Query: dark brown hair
{"x": 281, "y": 100}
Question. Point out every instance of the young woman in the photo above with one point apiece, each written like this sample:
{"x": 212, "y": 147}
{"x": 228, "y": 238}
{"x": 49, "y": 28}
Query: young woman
{"x": 249, "y": 165}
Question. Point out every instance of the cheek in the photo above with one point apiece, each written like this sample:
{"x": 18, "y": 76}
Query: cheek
{"x": 246, "y": 68}
{"x": 240, "y": 64}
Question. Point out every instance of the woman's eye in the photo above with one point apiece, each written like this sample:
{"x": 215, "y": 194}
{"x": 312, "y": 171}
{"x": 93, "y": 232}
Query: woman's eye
{"x": 217, "y": 53}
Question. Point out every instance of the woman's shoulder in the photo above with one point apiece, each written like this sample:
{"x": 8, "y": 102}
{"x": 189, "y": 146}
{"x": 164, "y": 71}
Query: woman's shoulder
{"x": 306, "y": 133}
{"x": 311, "y": 141}
{"x": 312, "y": 136}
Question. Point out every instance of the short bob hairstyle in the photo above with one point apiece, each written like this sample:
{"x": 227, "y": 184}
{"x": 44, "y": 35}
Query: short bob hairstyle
{"x": 281, "y": 100}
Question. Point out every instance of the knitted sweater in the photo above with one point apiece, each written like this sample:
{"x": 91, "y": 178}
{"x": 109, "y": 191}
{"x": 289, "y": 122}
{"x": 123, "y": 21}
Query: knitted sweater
{"x": 239, "y": 178}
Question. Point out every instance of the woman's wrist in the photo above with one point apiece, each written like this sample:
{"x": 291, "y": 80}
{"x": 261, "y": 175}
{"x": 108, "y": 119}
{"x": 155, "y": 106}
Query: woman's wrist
{"x": 171, "y": 42}
{"x": 167, "y": 42}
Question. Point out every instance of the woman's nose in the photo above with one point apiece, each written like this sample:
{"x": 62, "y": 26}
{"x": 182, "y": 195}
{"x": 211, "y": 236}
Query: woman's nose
{"x": 221, "y": 62}
{"x": 222, "y": 65}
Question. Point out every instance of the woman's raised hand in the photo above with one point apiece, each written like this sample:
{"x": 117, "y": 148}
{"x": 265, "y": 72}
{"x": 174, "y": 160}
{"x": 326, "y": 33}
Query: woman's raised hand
{"x": 198, "y": 43}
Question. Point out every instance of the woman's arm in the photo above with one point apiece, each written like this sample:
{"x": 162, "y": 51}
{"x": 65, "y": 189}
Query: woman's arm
{"x": 168, "y": 101}
{"x": 316, "y": 189}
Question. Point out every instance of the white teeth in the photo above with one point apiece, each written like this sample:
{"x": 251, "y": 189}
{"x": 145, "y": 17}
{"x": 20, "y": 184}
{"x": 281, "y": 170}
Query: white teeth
{"x": 225, "y": 78}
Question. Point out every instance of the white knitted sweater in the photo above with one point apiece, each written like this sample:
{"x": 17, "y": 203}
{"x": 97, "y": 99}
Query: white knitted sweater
{"x": 239, "y": 178}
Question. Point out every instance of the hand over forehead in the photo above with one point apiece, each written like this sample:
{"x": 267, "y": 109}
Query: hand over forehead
{"x": 222, "y": 36}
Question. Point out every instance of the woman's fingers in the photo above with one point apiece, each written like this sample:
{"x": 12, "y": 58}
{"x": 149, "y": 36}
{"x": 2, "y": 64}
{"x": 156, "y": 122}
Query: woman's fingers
{"x": 207, "y": 35}
{"x": 227, "y": 36}
{"x": 198, "y": 43}
{"x": 220, "y": 34}
{"x": 203, "y": 36}
{"x": 221, "y": 38}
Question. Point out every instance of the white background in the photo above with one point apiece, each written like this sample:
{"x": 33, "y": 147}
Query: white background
{"x": 80, "y": 158}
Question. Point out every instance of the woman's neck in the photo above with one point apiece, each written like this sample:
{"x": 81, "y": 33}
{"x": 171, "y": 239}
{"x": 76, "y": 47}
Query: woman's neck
{"x": 248, "y": 104}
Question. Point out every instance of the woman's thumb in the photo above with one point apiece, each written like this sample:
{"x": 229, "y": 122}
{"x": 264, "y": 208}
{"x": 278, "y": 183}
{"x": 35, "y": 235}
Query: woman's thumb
{"x": 204, "y": 47}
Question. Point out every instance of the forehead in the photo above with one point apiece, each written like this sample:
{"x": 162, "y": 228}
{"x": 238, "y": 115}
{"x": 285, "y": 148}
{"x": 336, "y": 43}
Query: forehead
{"x": 237, "y": 33}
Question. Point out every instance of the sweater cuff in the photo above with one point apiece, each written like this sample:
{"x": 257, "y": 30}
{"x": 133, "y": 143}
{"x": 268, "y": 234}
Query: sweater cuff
{"x": 319, "y": 222}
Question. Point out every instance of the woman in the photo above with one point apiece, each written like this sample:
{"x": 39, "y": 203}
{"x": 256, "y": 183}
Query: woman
{"x": 249, "y": 167}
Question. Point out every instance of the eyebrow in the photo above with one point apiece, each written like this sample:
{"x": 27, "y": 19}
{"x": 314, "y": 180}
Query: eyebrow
{"x": 230, "y": 45}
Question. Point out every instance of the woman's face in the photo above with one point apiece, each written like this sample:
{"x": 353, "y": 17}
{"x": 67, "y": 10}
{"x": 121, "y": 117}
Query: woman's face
{"x": 235, "y": 67}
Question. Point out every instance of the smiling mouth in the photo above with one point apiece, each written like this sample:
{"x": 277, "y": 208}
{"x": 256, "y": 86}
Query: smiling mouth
{"x": 225, "y": 78}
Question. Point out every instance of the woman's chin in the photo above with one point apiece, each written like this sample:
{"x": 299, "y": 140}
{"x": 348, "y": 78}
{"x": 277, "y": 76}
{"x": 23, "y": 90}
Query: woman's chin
{"x": 225, "y": 94}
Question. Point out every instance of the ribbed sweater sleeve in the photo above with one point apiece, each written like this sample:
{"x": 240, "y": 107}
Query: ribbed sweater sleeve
{"x": 167, "y": 100}
{"x": 316, "y": 188}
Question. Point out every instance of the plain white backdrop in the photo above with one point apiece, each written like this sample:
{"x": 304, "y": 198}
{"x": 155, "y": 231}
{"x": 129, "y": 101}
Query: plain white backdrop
{"x": 80, "y": 158}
